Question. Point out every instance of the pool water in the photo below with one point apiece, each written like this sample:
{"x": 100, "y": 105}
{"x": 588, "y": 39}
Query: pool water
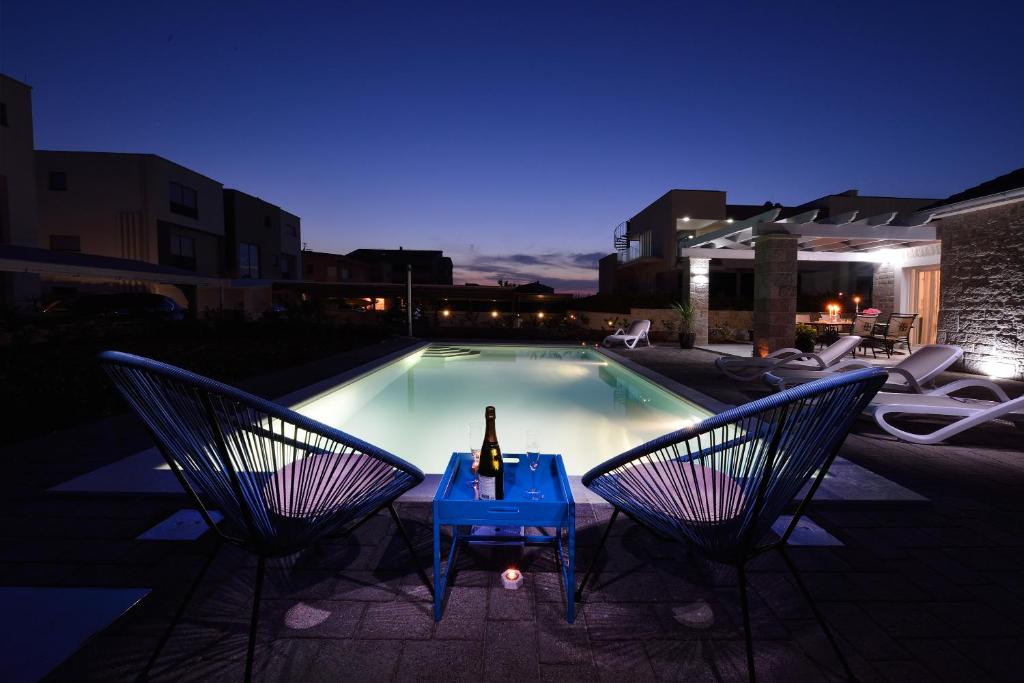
{"x": 578, "y": 402}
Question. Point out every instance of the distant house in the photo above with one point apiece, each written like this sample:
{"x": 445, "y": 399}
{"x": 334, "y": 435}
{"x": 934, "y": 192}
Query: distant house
{"x": 321, "y": 266}
{"x": 389, "y": 265}
{"x": 263, "y": 240}
{"x": 535, "y": 288}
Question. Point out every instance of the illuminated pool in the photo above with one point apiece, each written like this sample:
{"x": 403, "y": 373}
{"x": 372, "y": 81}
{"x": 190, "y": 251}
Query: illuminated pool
{"x": 580, "y": 403}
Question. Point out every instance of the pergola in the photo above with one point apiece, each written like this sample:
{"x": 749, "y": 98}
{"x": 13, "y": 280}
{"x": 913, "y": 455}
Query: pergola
{"x": 776, "y": 244}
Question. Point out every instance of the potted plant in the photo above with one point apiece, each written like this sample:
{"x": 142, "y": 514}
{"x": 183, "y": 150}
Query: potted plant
{"x": 805, "y": 338}
{"x": 687, "y": 337}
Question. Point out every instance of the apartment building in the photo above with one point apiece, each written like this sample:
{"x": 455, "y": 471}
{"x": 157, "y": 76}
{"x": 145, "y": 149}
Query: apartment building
{"x": 18, "y": 224}
{"x": 133, "y": 206}
{"x": 429, "y": 267}
{"x": 263, "y": 240}
{"x": 321, "y": 266}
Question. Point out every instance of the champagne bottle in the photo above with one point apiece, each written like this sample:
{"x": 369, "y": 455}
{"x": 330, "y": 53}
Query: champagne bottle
{"x": 491, "y": 473}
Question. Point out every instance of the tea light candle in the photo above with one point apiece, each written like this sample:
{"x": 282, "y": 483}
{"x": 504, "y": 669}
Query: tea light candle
{"x": 512, "y": 578}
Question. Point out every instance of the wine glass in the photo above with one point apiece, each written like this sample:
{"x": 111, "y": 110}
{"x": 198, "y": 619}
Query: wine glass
{"x": 475, "y": 437}
{"x": 533, "y": 460}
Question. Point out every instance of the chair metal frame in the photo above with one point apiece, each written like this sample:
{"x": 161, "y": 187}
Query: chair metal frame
{"x": 888, "y": 340}
{"x": 217, "y": 440}
{"x": 766, "y": 449}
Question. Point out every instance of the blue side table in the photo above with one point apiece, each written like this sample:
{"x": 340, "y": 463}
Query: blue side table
{"x": 455, "y": 506}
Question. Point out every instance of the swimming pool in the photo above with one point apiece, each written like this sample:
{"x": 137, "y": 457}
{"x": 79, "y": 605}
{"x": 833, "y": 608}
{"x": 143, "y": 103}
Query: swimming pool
{"x": 579, "y": 402}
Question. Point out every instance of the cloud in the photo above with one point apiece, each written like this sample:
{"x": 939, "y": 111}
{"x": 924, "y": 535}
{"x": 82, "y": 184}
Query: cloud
{"x": 572, "y": 271}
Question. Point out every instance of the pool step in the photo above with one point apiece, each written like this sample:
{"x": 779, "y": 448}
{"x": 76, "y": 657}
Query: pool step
{"x": 450, "y": 352}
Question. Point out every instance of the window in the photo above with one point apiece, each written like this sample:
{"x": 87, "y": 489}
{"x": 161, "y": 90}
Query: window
{"x": 58, "y": 181}
{"x": 287, "y": 267}
{"x": 292, "y": 230}
{"x": 266, "y": 221}
{"x": 183, "y": 252}
{"x": 65, "y": 243}
{"x": 184, "y": 200}
{"x": 248, "y": 260}
{"x": 3, "y": 114}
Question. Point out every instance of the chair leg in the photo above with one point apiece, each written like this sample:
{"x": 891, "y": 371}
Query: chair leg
{"x": 254, "y": 621}
{"x": 412, "y": 550}
{"x": 593, "y": 560}
{"x": 747, "y": 636}
{"x": 817, "y": 614}
{"x": 144, "y": 674}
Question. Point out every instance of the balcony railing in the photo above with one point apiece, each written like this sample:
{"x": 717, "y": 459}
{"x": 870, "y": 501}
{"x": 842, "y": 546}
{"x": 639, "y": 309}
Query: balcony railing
{"x": 632, "y": 247}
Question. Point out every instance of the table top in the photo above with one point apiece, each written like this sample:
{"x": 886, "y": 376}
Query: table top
{"x": 551, "y": 479}
{"x": 455, "y": 498}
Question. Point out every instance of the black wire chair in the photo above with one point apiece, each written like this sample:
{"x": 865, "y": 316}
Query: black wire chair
{"x": 281, "y": 480}
{"x": 718, "y": 486}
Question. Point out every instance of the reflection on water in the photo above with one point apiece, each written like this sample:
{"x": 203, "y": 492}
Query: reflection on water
{"x": 581, "y": 404}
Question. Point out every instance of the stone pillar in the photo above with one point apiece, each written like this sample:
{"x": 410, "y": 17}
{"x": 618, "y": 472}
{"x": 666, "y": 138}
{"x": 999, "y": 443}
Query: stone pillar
{"x": 883, "y": 288}
{"x": 696, "y": 272}
{"x": 775, "y": 284}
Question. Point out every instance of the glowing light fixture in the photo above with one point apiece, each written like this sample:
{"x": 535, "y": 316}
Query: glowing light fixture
{"x": 512, "y": 578}
{"x": 494, "y": 314}
{"x": 997, "y": 369}
{"x": 446, "y": 313}
{"x": 686, "y": 219}
{"x": 540, "y": 315}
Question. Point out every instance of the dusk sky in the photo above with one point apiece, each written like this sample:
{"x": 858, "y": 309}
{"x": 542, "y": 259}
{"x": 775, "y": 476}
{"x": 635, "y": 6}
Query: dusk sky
{"x": 515, "y": 136}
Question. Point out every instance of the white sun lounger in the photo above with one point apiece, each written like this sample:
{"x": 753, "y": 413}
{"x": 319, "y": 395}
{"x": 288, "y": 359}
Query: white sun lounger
{"x": 913, "y": 373}
{"x": 754, "y": 369}
{"x": 637, "y": 332}
{"x": 965, "y": 412}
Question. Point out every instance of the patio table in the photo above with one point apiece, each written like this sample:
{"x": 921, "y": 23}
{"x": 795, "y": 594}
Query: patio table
{"x": 456, "y": 506}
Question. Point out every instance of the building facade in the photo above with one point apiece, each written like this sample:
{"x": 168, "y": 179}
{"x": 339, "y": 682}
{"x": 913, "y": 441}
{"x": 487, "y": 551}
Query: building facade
{"x": 133, "y": 206}
{"x": 389, "y": 265}
{"x": 321, "y": 266}
{"x": 18, "y": 222}
{"x": 262, "y": 240}
{"x": 648, "y": 246}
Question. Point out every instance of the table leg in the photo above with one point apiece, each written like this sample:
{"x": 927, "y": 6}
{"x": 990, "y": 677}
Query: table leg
{"x": 570, "y": 590}
{"x": 438, "y": 579}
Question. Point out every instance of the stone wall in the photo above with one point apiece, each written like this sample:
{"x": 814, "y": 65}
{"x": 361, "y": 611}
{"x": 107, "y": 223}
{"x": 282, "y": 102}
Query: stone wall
{"x": 981, "y": 307}
{"x": 775, "y": 285}
{"x": 883, "y": 289}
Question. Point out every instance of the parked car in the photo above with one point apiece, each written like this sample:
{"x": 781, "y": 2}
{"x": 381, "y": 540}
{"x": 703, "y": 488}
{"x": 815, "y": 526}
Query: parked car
{"x": 123, "y": 306}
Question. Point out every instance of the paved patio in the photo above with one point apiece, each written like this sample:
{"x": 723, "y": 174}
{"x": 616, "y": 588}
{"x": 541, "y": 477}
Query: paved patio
{"x": 928, "y": 587}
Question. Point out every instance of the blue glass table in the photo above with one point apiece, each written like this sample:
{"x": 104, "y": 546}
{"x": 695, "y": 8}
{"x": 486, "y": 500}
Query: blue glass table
{"x": 455, "y": 506}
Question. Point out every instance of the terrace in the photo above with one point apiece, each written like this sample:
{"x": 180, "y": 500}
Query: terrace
{"x": 913, "y": 553}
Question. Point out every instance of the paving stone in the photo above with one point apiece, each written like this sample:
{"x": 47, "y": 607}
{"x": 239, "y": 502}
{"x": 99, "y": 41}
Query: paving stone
{"x": 622, "y": 661}
{"x": 329, "y": 660}
{"x": 398, "y": 620}
{"x": 511, "y": 604}
{"x": 568, "y": 673}
{"x": 311, "y": 619}
{"x": 465, "y": 614}
{"x": 511, "y": 651}
{"x": 441, "y": 660}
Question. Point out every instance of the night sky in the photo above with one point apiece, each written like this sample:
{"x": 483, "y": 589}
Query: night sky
{"x": 515, "y": 136}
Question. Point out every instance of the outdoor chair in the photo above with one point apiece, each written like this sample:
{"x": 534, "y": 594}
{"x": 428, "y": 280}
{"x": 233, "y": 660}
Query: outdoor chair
{"x": 638, "y": 331}
{"x": 888, "y": 335}
{"x": 755, "y": 369}
{"x": 863, "y": 326}
{"x": 281, "y": 481}
{"x": 914, "y": 373}
{"x": 718, "y": 486}
{"x": 965, "y": 413}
